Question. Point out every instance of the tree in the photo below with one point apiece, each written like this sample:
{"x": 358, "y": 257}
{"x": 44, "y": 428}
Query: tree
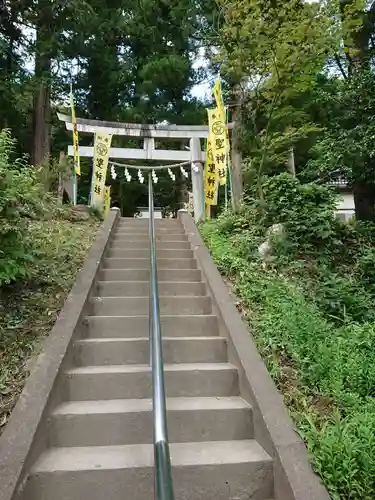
{"x": 275, "y": 49}
{"x": 15, "y": 96}
{"x": 346, "y": 149}
{"x": 44, "y": 52}
{"x": 349, "y": 136}
{"x": 51, "y": 21}
{"x": 128, "y": 61}
{"x": 137, "y": 63}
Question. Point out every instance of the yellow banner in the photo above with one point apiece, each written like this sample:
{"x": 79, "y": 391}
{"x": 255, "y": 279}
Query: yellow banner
{"x": 222, "y": 110}
{"x": 210, "y": 184}
{"x": 102, "y": 146}
{"x": 208, "y": 212}
{"x": 219, "y": 100}
{"x": 107, "y": 199}
{"x": 77, "y": 165}
{"x": 219, "y": 143}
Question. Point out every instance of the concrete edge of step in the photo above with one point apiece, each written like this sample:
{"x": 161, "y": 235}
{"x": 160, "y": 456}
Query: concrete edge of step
{"x": 18, "y": 438}
{"x": 275, "y": 431}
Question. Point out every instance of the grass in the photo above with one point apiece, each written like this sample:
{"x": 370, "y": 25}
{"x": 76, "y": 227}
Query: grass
{"x": 324, "y": 368}
{"x": 28, "y": 310}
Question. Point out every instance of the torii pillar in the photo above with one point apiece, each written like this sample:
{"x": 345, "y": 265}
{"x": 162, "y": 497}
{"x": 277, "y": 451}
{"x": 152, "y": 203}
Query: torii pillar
{"x": 197, "y": 178}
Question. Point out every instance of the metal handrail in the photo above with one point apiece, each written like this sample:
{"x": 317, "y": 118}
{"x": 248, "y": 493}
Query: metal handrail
{"x": 162, "y": 460}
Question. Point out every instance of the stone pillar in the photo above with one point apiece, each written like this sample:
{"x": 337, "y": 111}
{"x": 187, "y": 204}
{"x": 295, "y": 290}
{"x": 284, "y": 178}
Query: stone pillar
{"x": 197, "y": 178}
{"x": 149, "y": 146}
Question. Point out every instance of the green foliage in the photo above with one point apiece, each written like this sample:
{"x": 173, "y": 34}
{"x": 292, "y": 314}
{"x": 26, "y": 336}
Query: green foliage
{"x": 346, "y": 148}
{"x": 366, "y": 266}
{"x": 276, "y": 50}
{"x": 41, "y": 250}
{"x": 311, "y": 311}
{"x": 343, "y": 452}
{"x": 22, "y": 198}
{"x": 28, "y": 309}
{"x": 307, "y": 79}
{"x": 96, "y": 212}
{"x": 306, "y": 210}
{"x": 128, "y": 61}
{"x": 311, "y": 303}
{"x": 278, "y": 41}
{"x": 343, "y": 298}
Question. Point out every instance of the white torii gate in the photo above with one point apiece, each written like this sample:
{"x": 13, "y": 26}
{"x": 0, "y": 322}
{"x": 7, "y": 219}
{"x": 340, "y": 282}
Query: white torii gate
{"x": 148, "y": 133}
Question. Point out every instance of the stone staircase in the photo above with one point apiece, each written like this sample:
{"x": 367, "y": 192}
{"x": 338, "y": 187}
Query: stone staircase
{"x": 100, "y": 431}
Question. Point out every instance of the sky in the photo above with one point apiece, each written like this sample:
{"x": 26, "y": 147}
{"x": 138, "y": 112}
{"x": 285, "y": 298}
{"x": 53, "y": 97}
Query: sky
{"x": 203, "y": 90}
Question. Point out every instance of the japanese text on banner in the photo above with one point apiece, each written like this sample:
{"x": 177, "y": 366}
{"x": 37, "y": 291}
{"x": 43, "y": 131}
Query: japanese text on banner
{"x": 107, "y": 199}
{"x": 102, "y": 147}
{"x": 219, "y": 143}
{"x": 210, "y": 185}
{"x": 75, "y": 135}
{"x": 222, "y": 110}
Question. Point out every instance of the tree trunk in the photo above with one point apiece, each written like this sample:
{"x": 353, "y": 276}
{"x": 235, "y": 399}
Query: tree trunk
{"x": 41, "y": 104}
{"x": 61, "y": 173}
{"x": 291, "y": 163}
{"x": 41, "y": 124}
{"x": 237, "y": 180}
{"x": 364, "y": 201}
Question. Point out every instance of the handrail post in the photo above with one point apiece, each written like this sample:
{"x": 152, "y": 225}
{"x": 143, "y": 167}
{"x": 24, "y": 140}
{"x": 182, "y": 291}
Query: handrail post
{"x": 162, "y": 460}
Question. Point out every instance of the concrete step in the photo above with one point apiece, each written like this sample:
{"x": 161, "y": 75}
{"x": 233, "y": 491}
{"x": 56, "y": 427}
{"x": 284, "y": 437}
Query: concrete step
{"x": 124, "y": 221}
{"x": 133, "y": 263}
{"x": 159, "y": 231}
{"x": 115, "y": 351}
{"x": 129, "y": 421}
{"x": 134, "y": 381}
{"x": 116, "y": 306}
{"x": 138, "y": 326}
{"x": 141, "y": 237}
{"x": 144, "y": 275}
{"x": 142, "y": 244}
{"x": 145, "y": 222}
{"x": 144, "y": 253}
{"x": 216, "y": 470}
{"x": 144, "y": 227}
{"x": 141, "y": 288}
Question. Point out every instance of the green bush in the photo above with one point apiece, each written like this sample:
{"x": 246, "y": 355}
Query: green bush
{"x": 306, "y": 210}
{"x": 28, "y": 309}
{"x": 22, "y": 199}
{"x": 343, "y": 298}
{"x": 343, "y": 453}
{"x": 365, "y": 266}
{"x": 312, "y": 313}
{"x": 349, "y": 360}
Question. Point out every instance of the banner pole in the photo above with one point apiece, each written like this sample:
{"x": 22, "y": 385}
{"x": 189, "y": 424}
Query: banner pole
{"x": 204, "y": 183}
{"x": 229, "y": 170}
{"x": 76, "y": 162}
{"x": 226, "y": 196}
{"x": 74, "y": 186}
